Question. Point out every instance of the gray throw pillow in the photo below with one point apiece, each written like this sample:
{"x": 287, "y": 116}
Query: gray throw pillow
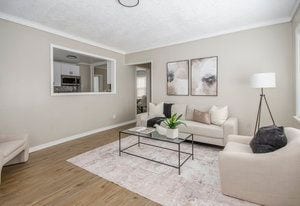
{"x": 268, "y": 139}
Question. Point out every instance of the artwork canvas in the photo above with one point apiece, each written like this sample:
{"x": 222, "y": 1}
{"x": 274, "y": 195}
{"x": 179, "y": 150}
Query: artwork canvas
{"x": 178, "y": 78}
{"x": 205, "y": 76}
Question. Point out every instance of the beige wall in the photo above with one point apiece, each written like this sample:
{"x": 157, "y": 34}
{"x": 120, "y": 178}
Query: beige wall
{"x": 267, "y": 49}
{"x": 25, "y": 103}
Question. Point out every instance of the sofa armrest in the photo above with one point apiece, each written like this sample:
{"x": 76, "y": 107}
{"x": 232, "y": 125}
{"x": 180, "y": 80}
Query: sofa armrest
{"x": 141, "y": 120}
{"x": 10, "y": 137}
{"x": 239, "y": 139}
{"x": 230, "y": 126}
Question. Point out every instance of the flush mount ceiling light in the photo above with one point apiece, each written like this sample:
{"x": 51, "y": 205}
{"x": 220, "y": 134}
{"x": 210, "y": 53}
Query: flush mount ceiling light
{"x": 129, "y": 3}
{"x": 71, "y": 57}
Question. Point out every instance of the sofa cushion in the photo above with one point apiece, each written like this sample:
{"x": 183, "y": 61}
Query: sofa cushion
{"x": 190, "y": 110}
{"x": 10, "y": 146}
{"x": 237, "y": 147}
{"x": 179, "y": 109}
{"x": 218, "y": 115}
{"x": 156, "y": 110}
{"x": 202, "y": 117}
{"x": 201, "y": 129}
{"x": 268, "y": 139}
{"x": 168, "y": 109}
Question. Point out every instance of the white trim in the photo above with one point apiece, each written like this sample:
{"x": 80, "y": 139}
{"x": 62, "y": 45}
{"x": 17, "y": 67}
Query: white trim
{"x": 297, "y": 118}
{"x": 81, "y": 52}
{"x": 140, "y": 62}
{"x": 52, "y": 46}
{"x": 77, "y": 136}
{"x": 41, "y": 27}
{"x": 294, "y": 10}
{"x": 51, "y": 71}
{"x": 297, "y": 69}
{"x": 83, "y": 93}
{"x": 216, "y": 34}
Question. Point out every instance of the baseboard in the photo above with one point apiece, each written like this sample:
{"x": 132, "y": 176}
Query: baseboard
{"x": 77, "y": 136}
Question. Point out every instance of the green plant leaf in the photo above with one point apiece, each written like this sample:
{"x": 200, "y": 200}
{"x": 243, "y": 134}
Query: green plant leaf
{"x": 174, "y": 121}
{"x": 178, "y": 117}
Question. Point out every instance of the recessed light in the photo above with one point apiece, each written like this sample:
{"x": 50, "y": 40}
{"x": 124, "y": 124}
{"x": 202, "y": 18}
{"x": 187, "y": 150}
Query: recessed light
{"x": 71, "y": 57}
{"x": 129, "y": 3}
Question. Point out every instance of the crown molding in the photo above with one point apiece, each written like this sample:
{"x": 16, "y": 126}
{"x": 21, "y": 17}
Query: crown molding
{"x": 41, "y": 27}
{"x": 221, "y": 33}
{"x": 96, "y": 44}
{"x": 294, "y": 10}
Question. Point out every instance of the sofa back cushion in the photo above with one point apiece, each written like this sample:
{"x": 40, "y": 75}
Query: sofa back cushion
{"x": 156, "y": 110}
{"x": 202, "y": 117}
{"x": 218, "y": 115}
{"x": 168, "y": 109}
{"x": 179, "y": 109}
{"x": 190, "y": 110}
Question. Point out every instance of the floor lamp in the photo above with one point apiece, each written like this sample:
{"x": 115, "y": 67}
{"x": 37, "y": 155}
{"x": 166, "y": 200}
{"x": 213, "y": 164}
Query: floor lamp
{"x": 262, "y": 81}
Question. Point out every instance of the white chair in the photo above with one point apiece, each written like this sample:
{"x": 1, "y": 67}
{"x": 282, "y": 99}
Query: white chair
{"x": 269, "y": 178}
{"x": 13, "y": 149}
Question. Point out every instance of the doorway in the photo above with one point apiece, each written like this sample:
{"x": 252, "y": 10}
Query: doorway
{"x": 143, "y": 75}
{"x": 98, "y": 83}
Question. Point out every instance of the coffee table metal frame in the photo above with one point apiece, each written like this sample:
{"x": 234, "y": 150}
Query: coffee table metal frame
{"x": 151, "y": 136}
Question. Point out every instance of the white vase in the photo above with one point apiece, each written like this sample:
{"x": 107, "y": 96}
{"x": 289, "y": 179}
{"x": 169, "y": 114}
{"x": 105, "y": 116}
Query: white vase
{"x": 161, "y": 130}
{"x": 172, "y": 133}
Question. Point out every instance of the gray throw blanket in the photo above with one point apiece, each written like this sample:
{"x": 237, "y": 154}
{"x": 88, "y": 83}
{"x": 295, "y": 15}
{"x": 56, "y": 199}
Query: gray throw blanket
{"x": 155, "y": 120}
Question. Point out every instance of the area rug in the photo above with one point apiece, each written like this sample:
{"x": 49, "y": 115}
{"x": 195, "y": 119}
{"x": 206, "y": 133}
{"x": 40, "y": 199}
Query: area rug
{"x": 198, "y": 183}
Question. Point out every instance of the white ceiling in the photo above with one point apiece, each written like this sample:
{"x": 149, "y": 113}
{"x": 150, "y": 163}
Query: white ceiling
{"x": 154, "y": 23}
{"x": 61, "y": 55}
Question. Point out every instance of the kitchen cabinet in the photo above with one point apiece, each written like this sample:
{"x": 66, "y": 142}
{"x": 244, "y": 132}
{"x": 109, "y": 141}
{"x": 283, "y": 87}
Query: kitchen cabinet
{"x": 69, "y": 69}
{"x": 60, "y": 68}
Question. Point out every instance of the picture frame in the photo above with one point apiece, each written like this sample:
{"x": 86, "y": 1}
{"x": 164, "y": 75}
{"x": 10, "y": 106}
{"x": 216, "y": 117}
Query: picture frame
{"x": 204, "y": 76}
{"x": 178, "y": 78}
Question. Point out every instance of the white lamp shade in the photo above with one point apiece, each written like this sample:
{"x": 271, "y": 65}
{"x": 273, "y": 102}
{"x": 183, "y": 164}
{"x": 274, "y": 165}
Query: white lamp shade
{"x": 263, "y": 80}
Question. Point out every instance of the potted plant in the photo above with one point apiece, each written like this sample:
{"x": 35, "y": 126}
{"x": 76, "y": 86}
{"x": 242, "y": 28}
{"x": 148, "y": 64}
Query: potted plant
{"x": 172, "y": 123}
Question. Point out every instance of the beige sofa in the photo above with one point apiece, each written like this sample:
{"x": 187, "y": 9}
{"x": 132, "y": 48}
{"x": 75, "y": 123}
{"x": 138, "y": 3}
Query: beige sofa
{"x": 13, "y": 149}
{"x": 268, "y": 179}
{"x": 210, "y": 134}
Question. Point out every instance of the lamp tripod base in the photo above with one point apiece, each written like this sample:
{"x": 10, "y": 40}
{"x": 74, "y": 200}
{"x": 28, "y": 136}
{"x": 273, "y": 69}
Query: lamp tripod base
{"x": 262, "y": 98}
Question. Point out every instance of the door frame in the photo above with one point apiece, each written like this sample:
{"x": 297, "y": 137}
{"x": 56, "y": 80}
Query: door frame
{"x": 151, "y": 82}
{"x": 297, "y": 71}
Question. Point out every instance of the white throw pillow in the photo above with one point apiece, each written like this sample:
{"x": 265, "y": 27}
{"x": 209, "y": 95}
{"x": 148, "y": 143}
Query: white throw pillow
{"x": 179, "y": 109}
{"x": 218, "y": 115}
{"x": 156, "y": 110}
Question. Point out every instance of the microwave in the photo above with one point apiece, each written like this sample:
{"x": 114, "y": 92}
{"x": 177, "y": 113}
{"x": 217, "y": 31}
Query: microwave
{"x": 70, "y": 80}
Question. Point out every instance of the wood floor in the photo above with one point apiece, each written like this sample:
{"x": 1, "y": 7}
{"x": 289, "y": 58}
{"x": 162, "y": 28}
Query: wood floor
{"x": 48, "y": 179}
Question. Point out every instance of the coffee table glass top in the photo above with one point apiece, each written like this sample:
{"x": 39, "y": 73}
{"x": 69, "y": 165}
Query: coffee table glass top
{"x": 155, "y": 135}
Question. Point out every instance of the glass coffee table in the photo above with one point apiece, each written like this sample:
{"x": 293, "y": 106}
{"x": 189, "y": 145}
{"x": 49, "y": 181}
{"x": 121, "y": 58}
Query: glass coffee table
{"x": 162, "y": 138}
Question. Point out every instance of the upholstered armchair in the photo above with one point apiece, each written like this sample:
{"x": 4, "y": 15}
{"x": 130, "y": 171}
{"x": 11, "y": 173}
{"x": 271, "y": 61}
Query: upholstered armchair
{"x": 13, "y": 150}
{"x": 268, "y": 179}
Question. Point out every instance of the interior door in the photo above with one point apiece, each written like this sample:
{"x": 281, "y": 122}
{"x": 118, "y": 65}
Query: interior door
{"x": 96, "y": 84}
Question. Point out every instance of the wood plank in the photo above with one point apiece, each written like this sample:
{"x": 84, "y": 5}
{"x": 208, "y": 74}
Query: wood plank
{"x": 48, "y": 179}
